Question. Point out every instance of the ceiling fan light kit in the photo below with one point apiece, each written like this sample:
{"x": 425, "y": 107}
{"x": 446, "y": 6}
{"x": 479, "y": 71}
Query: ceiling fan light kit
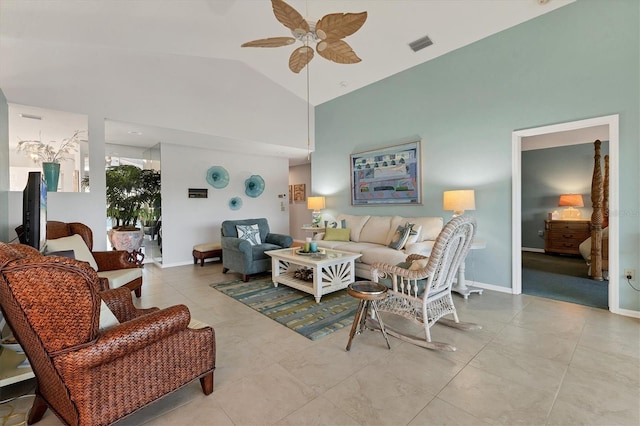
{"x": 327, "y": 33}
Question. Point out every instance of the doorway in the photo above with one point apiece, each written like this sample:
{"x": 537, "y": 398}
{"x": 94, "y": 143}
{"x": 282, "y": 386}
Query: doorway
{"x": 567, "y": 130}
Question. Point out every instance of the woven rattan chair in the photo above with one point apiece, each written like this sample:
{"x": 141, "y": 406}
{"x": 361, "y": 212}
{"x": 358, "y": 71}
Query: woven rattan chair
{"x": 423, "y": 295}
{"x": 86, "y": 374}
{"x": 112, "y": 265}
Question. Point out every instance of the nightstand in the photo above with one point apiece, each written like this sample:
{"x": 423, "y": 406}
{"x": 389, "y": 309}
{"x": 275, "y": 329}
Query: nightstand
{"x": 565, "y": 236}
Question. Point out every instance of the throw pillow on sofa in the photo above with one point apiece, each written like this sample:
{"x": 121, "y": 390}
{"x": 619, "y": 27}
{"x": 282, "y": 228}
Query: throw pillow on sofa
{"x": 400, "y": 237}
{"x": 413, "y": 235}
{"x": 250, "y": 233}
{"x": 337, "y": 234}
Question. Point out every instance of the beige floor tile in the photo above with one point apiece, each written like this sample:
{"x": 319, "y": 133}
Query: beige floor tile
{"x": 537, "y": 342}
{"x": 439, "y": 412}
{"x": 201, "y": 411}
{"x": 604, "y": 398}
{"x": 618, "y": 368}
{"x": 264, "y": 398}
{"x": 319, "y": 411}
{"x": 322, "y": 366}
{"x": 553, "y": 317}
{"x": 377, "y": 396}
{"x": 520, "y": 366}
{"x": 496, "y": 400}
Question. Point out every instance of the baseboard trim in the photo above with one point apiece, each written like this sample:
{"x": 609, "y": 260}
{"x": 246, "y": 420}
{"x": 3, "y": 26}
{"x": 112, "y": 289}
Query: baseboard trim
{"x": 533, "y": 250}
{"x": 492, "y": 287}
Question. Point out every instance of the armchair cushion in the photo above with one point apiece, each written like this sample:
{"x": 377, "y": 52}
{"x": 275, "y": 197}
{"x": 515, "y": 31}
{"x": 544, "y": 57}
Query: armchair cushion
{"x": 107, "y": 318}
{"x": 73, "y": 242}
{"x": 119, "y": 277}
{"x": 249, "y": 233}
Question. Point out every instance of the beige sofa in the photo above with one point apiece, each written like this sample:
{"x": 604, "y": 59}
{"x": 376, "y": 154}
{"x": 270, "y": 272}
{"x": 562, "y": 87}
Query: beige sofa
{"x": 371, "y": 235}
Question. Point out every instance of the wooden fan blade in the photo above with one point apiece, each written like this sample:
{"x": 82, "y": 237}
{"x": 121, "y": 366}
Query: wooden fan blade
{"x": 289, "y": 17}
{"x": 339, "y": 25}
{"x": 300, "y": 58}
{"x": 337, "y": 51}
{"x": 270, "y": 42}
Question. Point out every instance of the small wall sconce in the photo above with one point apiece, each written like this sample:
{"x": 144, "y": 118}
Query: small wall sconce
{"x": 570, "y": 201}
{"x": 458, "y": 201}
{"x": 316, "y": 204}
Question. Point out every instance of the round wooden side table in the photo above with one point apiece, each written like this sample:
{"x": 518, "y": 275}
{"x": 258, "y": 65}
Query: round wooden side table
{"x": 368, "y": 292}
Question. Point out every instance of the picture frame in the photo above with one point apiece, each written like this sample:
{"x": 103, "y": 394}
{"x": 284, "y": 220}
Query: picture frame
{"x": 390, "y": 175}
{"x": 290, "y": 194}
{"x": 299, "y": 192}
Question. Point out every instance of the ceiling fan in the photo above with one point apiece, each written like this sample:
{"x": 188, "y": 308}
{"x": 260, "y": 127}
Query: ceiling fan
{"x": 328, "y": 33}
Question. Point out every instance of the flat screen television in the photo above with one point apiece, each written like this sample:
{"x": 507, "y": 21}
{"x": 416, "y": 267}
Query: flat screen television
{"x": 34, "y": 212}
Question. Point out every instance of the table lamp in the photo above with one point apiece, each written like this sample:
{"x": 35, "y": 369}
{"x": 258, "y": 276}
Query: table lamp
{"x": 458, "y": 201}
{"x": 570, "y": 201}
{"x": 316, "y": 204}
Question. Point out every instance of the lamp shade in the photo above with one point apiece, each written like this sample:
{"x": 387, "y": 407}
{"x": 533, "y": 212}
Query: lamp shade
{"x": 315, "y": 203}
{"x": 459, "y": 201}
{"x": 571, "y": 200}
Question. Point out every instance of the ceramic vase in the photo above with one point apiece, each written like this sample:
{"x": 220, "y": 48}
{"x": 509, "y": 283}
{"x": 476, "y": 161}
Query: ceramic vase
{"x": 126, "y": 240}
{"x": 51, "y": 175}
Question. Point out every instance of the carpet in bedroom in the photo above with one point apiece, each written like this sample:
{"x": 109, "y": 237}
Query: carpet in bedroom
{"x": 562, "y": 278}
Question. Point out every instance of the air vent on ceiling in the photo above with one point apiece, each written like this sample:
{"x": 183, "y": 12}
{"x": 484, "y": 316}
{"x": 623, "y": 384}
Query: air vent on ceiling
{"x": 32, "y": 117}
{"x": 420, "y": 43}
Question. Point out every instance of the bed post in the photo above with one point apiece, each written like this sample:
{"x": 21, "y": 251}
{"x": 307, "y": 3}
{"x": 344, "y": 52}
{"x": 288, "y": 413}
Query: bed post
{"x": 597, "y": 216}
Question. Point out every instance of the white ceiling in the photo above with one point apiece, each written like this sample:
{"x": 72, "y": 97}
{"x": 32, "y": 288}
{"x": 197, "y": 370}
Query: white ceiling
{"x": 207, "y": 29}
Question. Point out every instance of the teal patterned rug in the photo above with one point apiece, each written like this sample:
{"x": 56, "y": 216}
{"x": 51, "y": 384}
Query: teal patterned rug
{"x": 292, "y": 308}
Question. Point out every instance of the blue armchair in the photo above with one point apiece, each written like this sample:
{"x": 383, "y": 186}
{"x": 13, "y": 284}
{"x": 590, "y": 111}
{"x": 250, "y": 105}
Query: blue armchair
{"x": 240, "y": 255}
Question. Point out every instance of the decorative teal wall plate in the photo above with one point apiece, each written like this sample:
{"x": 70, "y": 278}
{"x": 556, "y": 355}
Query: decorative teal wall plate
{"x": 218, "y": 177}
{"x": 254, "y": 186}
{"x": 235, "y": 203}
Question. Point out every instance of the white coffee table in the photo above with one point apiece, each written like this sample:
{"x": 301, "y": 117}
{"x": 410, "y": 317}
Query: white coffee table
{"x": 333, "y": 270}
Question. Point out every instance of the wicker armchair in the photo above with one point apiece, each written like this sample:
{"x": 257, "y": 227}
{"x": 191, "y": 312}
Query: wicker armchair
{"x": 423, "y": 294}
{"x": 116, "y": 266}
{"x": 85, "y": 374}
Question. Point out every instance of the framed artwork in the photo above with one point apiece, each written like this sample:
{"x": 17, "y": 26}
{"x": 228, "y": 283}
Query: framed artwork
{"x": 290, "y": 194}
{"x": 298, "y": 192}
{"x": 390, "y": 175}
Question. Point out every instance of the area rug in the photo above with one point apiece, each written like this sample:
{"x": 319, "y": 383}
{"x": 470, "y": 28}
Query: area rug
{"x": 292, "y": 308}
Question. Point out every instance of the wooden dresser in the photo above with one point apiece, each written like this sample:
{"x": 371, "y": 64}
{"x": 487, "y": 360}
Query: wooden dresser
{"x": 565, "y": 236}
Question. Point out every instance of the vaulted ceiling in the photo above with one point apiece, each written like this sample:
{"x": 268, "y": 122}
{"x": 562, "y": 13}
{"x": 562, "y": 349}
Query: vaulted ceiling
{"x": 205, "y": 33}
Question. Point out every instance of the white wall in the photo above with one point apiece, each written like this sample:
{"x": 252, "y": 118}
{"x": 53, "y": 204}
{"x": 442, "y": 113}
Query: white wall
{"x": 300, "y": 214}
{"x": 186, "y": 222}
{"x": 4, "y": 171}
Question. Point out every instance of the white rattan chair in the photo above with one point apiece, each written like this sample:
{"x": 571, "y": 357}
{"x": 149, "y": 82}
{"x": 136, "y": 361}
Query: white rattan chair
{"x": 424, "y": 295}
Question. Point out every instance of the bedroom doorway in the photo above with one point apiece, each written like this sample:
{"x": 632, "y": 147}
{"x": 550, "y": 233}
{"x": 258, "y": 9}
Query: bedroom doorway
{"x": 565, "y": 134}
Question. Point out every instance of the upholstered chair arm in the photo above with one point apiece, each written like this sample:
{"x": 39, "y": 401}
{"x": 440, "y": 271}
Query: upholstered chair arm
{"x": 237, "y": 244}
{"x": 279, "y": 240}
{"x": 120, "y": 303}
{"x": 124, "y": 339}
{"x": 113, "y": 260}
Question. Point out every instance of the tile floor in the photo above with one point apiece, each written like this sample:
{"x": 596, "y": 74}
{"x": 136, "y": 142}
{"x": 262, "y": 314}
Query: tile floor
{"x": 535, "y": 362}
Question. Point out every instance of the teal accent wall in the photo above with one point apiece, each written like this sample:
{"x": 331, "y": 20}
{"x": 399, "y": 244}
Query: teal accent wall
{"x": 579, "y": 61}
{"x": 547, "y": 173}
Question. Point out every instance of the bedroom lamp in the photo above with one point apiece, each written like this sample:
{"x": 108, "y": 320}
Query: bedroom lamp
{"x": 570, "y": 201}
{"x": 458, "y": 201}
{"x": 316, "y": 204}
